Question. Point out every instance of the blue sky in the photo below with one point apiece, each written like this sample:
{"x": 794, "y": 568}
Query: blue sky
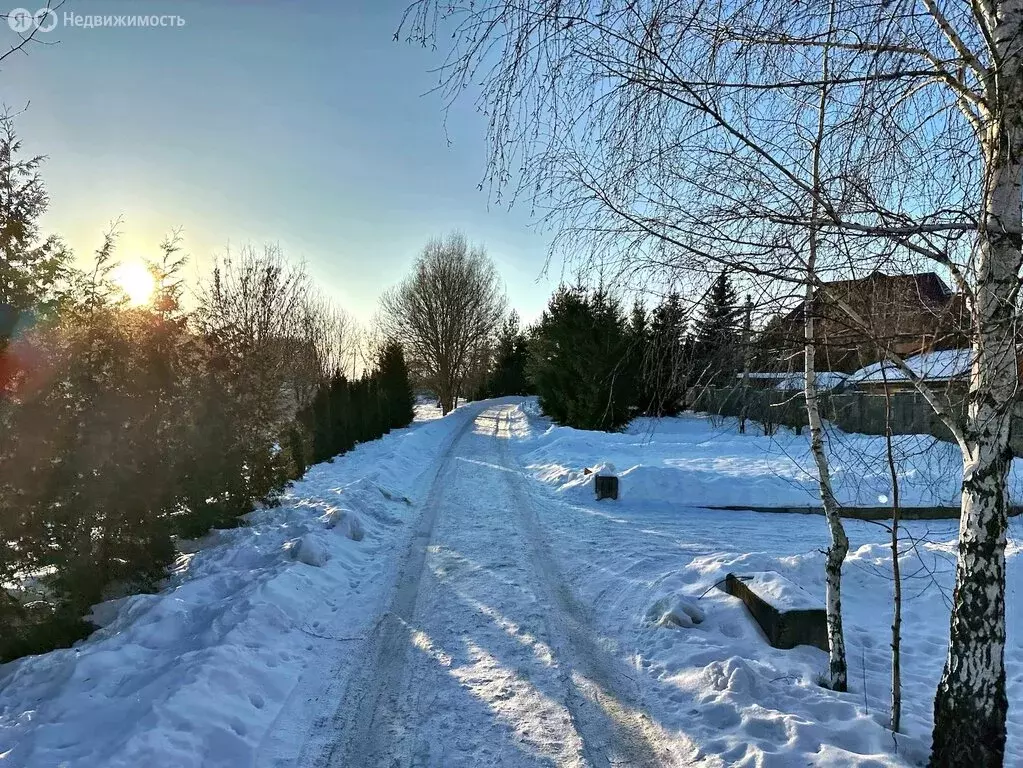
{"x": 266, "y": 121}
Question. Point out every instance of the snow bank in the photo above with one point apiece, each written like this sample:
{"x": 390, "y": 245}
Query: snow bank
{"x": 347, "y": 523}
{"x": 676, "y": 611}
{"x": 311, "y": 549}
{"x": 697, "y": 460}
{"x": 641, "y": 565}
{"x": 196, "y": 675}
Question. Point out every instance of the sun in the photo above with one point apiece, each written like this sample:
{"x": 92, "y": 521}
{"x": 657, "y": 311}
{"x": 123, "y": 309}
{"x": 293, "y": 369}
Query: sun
{"x": 134, "y": 278}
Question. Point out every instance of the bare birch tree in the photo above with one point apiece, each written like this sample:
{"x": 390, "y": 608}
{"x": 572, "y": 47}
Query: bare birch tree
{"x": 445, "y": 313}
{"x": 839, "y": 548}
{"x": 678, "y": 133}
{"x": 895, "y": 721}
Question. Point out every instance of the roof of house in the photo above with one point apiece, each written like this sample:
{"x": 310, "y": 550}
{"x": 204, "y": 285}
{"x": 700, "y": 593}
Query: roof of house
{"x": 786, "y": 380}
{"x": 942, "y": 365}
{"x": 764, "y": 375}
{"x": 927, "y": 286}
{"x": 825, "y": 380}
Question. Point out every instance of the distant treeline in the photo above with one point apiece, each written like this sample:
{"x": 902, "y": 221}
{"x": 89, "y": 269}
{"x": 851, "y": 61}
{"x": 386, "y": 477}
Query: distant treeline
{"x": 596, "y": 367}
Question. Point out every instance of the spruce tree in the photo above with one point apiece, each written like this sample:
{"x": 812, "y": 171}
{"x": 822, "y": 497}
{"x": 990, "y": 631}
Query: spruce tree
{"x": 579, "y": 360}
{"x": 342, "y": 414}
{"x": 717, "y": 341}
{"x": 639, "y": 352}
{"x": 31, "y": 266}
{"x": 509, "y": 374}
{"x": 666, "y": 369}
{"x": 395, "y": 387}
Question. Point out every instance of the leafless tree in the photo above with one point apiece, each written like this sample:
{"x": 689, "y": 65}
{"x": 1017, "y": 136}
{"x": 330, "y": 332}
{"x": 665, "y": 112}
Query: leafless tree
{"x": 895, "y": 720}
{"x": 254, "y": 310}
{"x": 445, "y": 312}
{"x": 839, "y": 548}
{"x": 332, "y": 332}
{"x": 679, "y": 132}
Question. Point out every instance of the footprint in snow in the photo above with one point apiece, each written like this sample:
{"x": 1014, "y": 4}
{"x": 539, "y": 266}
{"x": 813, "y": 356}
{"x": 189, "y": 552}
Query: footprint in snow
{"x": 676, "y": 611}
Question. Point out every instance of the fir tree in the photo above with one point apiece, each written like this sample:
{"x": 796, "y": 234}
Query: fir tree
{"x": 395, "y": 387}
{"x": 509, "y": 374}
{"x": 31, "y": 266}
{"x": 717, "y": 341}
{"x": 666, "y": 369}
{"x": 579, "y": 361}
{"x": 639, "y": 352}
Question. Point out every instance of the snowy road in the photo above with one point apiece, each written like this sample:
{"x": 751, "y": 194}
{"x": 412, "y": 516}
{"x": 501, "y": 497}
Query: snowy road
{"x": 485, "y": 657}
{"x": 453, "y": 595}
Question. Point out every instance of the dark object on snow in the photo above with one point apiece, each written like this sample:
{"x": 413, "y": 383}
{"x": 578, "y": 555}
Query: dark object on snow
{"x": 606, "y": 487}
{"x": 784, "y": 628}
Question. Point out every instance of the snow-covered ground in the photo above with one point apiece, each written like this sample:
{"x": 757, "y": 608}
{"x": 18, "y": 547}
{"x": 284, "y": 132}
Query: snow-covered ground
{"x": 452, "y": 595}
{"x": 700, "y": 460}
{"x": 740, "y": 700}
{"x": 198, "y": 674}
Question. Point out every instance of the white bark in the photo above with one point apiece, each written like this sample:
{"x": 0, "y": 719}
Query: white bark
{"x": 970, "y": 706}
{"x": 895, "y": 721}
{"x": 838, "y": 667}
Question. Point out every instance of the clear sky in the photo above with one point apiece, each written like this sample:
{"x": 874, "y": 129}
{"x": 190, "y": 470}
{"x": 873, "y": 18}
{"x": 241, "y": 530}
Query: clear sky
{"x": 300, "y": 123}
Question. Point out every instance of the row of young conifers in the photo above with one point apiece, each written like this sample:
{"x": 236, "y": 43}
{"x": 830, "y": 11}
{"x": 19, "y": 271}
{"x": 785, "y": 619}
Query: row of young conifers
{"x": 123, "y": 428}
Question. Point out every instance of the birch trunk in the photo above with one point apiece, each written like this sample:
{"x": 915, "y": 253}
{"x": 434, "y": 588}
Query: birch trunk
{"x": 838, "y": 669}
{"x": 746, "y": 337}
{"x": 970, "y": 706}
{"x": 896, "y": 714}
{"x": 839, "y": 548}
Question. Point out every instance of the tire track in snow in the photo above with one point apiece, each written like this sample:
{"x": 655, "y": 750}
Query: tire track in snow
{"x": 393, "y": 710}
{"x": 357, "y": 695}
{"x": 604, "y": 700}
{"x": 396, "y": 710}
{"x": 370, "y": 709}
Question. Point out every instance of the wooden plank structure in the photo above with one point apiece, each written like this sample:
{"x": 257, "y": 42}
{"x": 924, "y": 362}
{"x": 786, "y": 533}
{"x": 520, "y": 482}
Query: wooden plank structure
{"x": 787, "y": 622}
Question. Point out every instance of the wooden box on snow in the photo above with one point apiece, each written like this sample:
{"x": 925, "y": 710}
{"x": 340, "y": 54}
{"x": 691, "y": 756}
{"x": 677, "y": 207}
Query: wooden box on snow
{"x": 605, "y": 486}
{"x": 786, "y": 612}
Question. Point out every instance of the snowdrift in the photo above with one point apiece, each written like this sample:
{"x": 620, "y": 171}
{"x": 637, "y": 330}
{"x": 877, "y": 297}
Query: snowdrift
{"x": 697, "y": 461}
{"x": 648, "y": 565}
{"x": 195, "y": 675}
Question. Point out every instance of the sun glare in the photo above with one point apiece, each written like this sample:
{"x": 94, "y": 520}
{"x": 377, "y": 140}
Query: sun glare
{"x": 134, "y": 279}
